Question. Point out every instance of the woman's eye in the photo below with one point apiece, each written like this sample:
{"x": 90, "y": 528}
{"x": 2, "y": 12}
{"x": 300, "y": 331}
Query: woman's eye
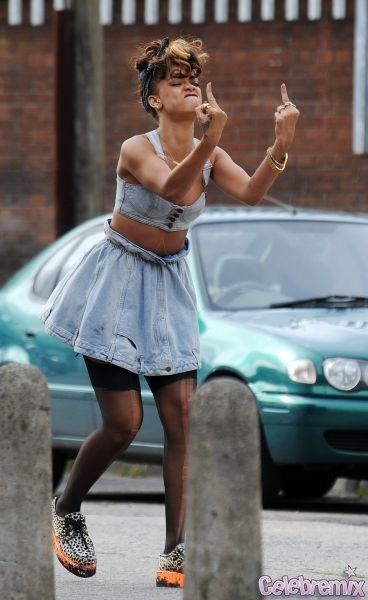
{"x": 176, "y": 82}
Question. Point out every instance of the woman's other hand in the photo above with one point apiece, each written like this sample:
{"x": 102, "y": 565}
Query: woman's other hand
{"x": 285, "y": 122}
{"x": 211, "y": 117}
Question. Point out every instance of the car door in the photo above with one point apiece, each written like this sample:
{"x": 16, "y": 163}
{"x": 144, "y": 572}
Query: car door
{"x": 73, "y": 415}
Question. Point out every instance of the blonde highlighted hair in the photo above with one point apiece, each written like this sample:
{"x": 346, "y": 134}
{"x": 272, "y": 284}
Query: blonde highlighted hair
{"x": 155, "y": 59}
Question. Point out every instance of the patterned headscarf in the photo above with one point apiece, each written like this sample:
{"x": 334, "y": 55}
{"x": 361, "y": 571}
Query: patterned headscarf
{"x": 146, "y": 75}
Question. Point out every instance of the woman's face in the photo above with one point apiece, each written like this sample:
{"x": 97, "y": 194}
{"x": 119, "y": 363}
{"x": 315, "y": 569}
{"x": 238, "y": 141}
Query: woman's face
{"x": 179, "y": 92}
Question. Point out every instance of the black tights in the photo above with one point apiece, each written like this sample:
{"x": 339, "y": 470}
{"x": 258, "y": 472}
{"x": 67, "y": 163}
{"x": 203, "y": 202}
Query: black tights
{"x": 119, "y": 396}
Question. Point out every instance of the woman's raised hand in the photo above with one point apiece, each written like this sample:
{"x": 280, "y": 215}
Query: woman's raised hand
{"x": 211, "y": 117}
{"x": 286, "y": 118}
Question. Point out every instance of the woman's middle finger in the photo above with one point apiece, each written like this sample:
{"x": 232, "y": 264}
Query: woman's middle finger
{"x": 281, "y": 107}
{"x": 210, "y": 96}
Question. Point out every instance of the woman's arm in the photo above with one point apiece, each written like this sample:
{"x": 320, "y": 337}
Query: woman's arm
{"x": 234, "y": 180}
{"x": 139, "y": 158}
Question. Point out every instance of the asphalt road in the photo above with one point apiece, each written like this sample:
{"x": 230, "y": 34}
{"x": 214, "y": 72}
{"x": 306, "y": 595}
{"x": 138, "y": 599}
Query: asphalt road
{"x": 126, "y": 520}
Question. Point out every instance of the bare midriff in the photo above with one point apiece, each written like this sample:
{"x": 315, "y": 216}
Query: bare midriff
{"x": 148, "y": 236}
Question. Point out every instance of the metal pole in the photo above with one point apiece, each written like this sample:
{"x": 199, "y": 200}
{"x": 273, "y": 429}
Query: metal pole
{"x": 79, "y": 115}
{"x": 89, "y": 161}
{"x": 64, "y": 121}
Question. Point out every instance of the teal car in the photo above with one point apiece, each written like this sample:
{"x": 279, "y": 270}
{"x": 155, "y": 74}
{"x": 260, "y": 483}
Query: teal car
{"x": 282, "y": 306}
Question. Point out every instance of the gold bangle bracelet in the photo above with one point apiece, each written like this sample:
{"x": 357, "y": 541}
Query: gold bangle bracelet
{"x": 272, "y": 163}
{"x": 281, "y": 165}
{"x": 277, "y": 163}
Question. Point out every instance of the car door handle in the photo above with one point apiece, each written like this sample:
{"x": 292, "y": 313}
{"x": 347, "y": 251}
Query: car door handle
{"x": 30, "y": 334}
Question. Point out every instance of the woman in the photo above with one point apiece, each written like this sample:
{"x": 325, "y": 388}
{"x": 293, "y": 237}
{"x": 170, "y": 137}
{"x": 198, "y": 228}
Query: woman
{"x": 129, "y": 306}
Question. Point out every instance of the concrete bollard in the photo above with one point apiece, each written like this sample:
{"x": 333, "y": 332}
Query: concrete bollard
{"x": 223, "y": 558}
{"x": 26, "y": 560}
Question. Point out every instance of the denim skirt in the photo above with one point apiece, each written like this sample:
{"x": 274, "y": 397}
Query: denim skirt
{"x": 128, "y": 306}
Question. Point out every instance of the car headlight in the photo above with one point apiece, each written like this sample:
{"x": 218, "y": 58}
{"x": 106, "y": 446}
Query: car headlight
{"x": 342, "y": 373}
{"x": 302, "y": 370}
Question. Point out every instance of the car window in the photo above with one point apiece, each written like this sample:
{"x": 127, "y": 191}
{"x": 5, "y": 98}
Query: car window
{"x": 252, "y": 264}
{"x": 62, "y": 261}
{"x": 46, "y": 277}
{"x": 80, "y": 250}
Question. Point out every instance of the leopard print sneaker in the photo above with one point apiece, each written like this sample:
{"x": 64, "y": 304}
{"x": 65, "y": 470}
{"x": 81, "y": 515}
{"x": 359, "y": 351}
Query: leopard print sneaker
{"x": 170, "y": 571}
{"x": 71, "y": 542}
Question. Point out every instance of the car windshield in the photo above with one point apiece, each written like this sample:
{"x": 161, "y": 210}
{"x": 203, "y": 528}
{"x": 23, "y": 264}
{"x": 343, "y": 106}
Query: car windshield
{"x": 257, "y": 264}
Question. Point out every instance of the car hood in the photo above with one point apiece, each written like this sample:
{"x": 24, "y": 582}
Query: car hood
{"x": 331, "y": 332}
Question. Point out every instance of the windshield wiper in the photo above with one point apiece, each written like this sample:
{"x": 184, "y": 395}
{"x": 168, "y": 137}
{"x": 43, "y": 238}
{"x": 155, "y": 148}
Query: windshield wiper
{"x": 333, "y": 300}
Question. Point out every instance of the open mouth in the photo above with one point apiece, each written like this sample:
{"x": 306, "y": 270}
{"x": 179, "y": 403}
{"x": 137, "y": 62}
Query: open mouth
{"x": 190, "y": 95}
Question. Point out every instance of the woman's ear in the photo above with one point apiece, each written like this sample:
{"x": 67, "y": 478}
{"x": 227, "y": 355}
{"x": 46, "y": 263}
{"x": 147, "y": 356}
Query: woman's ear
{"x": 155, "y": 102}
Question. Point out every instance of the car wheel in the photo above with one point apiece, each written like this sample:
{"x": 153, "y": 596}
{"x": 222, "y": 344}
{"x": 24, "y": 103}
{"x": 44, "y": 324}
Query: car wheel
{"x": 299, "y": 483}
{"x": 59, "y": 460}
{"x": 270, "y": 476}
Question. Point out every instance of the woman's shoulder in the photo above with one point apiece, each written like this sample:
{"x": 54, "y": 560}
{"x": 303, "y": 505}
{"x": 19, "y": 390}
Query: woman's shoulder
{"x": 135, "y": 151}
{"x": 136, "y": 139}
{"x": 137, "y": 143}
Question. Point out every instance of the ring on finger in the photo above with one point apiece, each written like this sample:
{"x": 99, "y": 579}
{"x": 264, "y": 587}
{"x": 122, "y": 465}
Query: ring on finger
{"x": 288, "y": 103}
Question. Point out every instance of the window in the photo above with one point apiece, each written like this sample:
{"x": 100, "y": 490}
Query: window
{"x": 79, "y": 251}
{"x": 62, "y": 261}
{"x": 253, "y": 264}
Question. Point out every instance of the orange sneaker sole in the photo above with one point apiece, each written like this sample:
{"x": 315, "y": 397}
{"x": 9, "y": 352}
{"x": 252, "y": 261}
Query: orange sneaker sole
{"x": 70, "y": 565}
{"x": 169, "y": 579}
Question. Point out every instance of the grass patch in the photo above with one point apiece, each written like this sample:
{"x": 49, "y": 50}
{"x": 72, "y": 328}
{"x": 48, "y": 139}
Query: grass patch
{"x": 127, "y": 470}
{"x": 362, "y": 492}
{"x": 69, "y": 463}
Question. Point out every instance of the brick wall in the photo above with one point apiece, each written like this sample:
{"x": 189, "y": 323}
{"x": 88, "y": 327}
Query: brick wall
{"x": 248, "y": 63}
{"x": 26, "y": 142}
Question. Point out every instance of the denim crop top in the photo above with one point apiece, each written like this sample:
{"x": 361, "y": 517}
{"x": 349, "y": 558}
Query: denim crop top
{"x": 140, "y": 204}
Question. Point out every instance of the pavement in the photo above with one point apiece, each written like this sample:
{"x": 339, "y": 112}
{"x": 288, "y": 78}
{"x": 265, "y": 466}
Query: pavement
{"x": 126, "y": 519}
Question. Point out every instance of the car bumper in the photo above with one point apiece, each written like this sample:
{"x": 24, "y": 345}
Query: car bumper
{"x": 305, "y": 430}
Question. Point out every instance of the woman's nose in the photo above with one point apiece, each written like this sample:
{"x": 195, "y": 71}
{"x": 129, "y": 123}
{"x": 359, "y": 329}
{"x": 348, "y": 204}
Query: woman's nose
{"x": 189, "y": 86}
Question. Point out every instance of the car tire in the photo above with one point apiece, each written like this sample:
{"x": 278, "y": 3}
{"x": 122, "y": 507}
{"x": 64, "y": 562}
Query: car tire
{"x": 270, "y": 476}
{"x": 299, "y": 483}
{"x": 59, "y": 460}
{"x": 270, "y": 473}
